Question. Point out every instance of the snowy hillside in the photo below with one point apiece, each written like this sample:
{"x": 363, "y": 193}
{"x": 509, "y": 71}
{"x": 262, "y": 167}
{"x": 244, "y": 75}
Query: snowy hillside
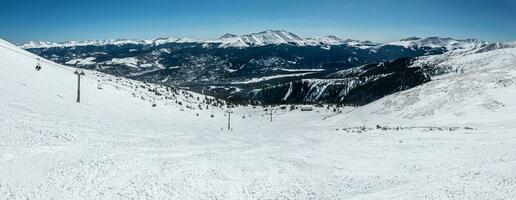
{"x": 471, "y": 88}
{"x": 452, "y": 138}
{"x": 477, "y": 95}
{"x": 500, "y": 55}
{"x": 325, "y": 40}
{"x": 436, "y": 42}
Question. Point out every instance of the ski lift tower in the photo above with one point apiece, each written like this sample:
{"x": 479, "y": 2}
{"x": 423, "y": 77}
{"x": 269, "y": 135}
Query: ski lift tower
{"x": 79, "y": 74}
{"x": 229, "y": 119}
{"x": 271, "y": 113}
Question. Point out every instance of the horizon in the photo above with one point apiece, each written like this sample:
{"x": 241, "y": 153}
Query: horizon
{"x": 374, "y": 20}
{"x": 208, "y": 39}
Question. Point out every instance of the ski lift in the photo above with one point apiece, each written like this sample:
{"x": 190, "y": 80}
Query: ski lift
{"x": 99, "y": 86}
{"x": 38, "y": 65}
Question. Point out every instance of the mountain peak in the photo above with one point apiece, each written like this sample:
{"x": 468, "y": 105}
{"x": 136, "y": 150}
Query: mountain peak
{"x": 332, "y": 37}
{"x": 438, "y": 42}
{"x": 272, "y": 31}
{"x": 326, "y": 40}
{"x": 228, "y": 35}
{"x": 267, "y": 37}
{"x": 411, "y": 38}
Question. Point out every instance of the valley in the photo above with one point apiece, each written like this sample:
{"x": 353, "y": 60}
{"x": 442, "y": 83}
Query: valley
{"x": 258, "y": 67}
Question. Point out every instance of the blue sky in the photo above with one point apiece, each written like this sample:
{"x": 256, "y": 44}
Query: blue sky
{"x": 377, "y": 20}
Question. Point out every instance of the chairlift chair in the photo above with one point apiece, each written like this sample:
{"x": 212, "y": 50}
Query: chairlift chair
{"x": 38, "y": 65}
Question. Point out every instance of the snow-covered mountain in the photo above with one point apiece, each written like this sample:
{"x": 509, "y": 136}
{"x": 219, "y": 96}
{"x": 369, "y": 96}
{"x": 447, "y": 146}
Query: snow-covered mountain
{"x": 367, "y": 83}
{"x": 356, "y": 86}
{"x": 483, "y": 48}
{"x": 330, "y": 39}
{"x": 476, "y": 87}
{"x": 228, "y": 40}
{"x": 262, "y": 38}
{"x": 46, "y": 44}
{"x": 436, "y": 42}
{"x": 118, "y": 42}
{"x": 274, "y": 37}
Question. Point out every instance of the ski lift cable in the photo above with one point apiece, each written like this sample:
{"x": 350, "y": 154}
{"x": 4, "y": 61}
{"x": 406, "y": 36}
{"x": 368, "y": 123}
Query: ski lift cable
{"x": 33, "y": 56}
{"x": 39, "y": 59}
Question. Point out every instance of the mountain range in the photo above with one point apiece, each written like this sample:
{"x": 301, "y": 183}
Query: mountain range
{"x": 273, "y": 66}
{"x": 269, "y": 37}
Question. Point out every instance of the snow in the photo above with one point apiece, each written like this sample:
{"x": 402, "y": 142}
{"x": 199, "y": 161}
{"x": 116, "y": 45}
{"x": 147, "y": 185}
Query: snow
{"x": 161, "y": 41}
{"x": 147, "y": 65}
{"x": 269, "y": 37}
{"x": 259, "y": 39}
{"x": 232, "y": 42}
{"x": 317, "y": 87}
{"x": 118, "y": 42}
{"x": 289, "y": 92}
{"x": 469, "y": 90}
{"x": 436, "y": 42}
{"x": 453, "y": 63}
{"x": 130, "y": 61}
{"x": 302, "y": 70}
{"x": 230, "y": 70}
{"x": 82, "y": 61}
{"x": 275, "y": 37}
{"x": 47, "y": 44}
{"x": 455, "y": 140}
{"x": 326, "y": 40}
{"x": 266, "y": 78}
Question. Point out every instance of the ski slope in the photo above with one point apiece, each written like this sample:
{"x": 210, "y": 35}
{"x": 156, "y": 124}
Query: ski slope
{"x": 477, "y": 97}
{"x": 116, "y": 145}
{"x": 470, "y": 89}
